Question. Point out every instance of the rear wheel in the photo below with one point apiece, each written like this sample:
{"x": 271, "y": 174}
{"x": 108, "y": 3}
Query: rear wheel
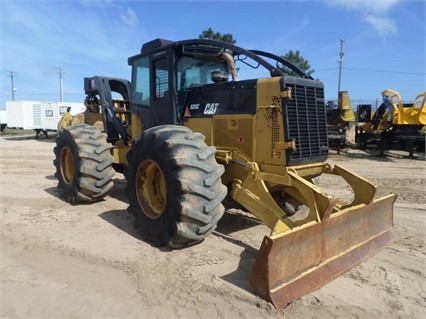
{"x": 175, "y": 188}
{"x": 83, "y": 164}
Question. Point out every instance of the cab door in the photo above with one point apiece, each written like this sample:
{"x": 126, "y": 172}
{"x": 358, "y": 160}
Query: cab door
{"x": 153, "y": 88}
{"x": 163, "y": 97}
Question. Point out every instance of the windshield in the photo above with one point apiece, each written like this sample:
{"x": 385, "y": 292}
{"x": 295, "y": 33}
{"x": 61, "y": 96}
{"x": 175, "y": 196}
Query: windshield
{"x": 193, "y": 72}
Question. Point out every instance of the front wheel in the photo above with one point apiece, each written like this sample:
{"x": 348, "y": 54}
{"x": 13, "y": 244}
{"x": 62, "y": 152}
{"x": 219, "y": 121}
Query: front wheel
{"x": 83, "y": 164}
{"x": 175, "y": 188}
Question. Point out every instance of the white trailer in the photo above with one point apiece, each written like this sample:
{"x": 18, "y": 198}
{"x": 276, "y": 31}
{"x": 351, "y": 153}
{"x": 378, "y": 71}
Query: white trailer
{"x": 49, "y": 116}
{"x": 24, "y": 114}
{"x": 74, "y": 108}
{"x": 3, "y": 120}
{"x": 51, "y": 113}
{"x": 39, "y": 116}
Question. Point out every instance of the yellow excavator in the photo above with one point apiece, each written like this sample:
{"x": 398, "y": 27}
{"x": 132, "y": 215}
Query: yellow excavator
{"x": 393, "y": 123}
{"x": 191, "y": 129}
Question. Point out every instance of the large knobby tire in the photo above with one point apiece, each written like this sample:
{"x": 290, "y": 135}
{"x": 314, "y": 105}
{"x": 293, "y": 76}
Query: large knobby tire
{"x": 83, "y": 164}
{"x": 175, "y": 187}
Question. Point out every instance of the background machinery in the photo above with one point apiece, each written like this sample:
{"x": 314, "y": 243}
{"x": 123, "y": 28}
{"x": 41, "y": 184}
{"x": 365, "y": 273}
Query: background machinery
{"x": 394, "y": 124}
{"x": 188, "y": 131}
{"x": 338, "y": 119}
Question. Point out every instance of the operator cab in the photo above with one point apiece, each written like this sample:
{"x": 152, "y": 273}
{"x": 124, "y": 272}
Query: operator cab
{"x": 165, "y": 72}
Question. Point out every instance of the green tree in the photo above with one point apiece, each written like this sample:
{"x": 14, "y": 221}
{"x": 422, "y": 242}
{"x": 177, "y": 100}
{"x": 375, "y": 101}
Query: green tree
{"x": 298, "y": 60}
{"x": 210, "y": 34}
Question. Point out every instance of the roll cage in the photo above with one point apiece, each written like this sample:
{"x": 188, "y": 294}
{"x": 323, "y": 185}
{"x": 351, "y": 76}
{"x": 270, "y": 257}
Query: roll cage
{"x": 206, "y": 47}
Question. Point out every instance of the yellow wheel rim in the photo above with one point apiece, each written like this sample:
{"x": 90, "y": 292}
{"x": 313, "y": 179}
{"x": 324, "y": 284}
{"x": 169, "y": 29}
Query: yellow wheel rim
{"x": 151, "y": 189}
{"x": 67, "y": 165}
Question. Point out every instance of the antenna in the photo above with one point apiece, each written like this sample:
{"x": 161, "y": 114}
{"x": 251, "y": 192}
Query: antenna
{"x": 61, "y": 75}
{"x": 340, "y": 64}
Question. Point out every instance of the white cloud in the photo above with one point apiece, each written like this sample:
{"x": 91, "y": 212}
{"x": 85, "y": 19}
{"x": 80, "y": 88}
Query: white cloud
{"x": 374, "y": 12}
{"x": 129, "y": 17}
{"x": 373, "y": 6}
{"x": 383, "y": 25}
{"x": 97, "y": 3}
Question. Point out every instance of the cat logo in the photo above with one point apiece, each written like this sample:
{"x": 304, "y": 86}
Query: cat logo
{"x": 49, "y": 113}
{"x": 211, "y": 108}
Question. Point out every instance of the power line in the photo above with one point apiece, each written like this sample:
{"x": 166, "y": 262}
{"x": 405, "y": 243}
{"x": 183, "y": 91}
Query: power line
{"x": 328, "y": 69}
{"x": 372, "y": 70}
{"x": 384, "y": 71}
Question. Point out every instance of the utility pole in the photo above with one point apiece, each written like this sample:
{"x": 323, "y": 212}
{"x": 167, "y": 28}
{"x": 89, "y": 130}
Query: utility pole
{"x": 61, "y": 75}
{"x": 340, "y": 64}
{"x": 12, "y": 75}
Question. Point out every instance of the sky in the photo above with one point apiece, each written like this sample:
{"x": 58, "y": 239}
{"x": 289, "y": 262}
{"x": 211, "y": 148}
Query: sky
{"x": 42, "y": 41}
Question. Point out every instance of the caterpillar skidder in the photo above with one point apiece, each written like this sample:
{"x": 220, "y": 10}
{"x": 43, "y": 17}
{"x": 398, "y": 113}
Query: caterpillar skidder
{"x": 187, "y": 131}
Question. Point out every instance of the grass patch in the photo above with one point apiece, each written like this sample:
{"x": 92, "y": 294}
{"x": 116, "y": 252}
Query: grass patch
{"x": 17, "y": 132}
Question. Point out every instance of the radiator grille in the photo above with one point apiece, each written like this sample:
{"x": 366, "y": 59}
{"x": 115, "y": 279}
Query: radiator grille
{"x": 306, "y": 124}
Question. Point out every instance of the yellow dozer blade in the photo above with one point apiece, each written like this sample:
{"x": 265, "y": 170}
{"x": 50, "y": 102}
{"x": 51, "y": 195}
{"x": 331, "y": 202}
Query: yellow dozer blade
{"x": 300, "y": 257}
{"x": 299, "y": 262}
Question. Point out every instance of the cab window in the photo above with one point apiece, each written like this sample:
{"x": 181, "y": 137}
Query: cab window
{"x": 140, "y": 79}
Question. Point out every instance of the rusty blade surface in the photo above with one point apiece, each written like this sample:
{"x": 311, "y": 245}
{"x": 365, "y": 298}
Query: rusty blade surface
{"x": 296, "y": 263}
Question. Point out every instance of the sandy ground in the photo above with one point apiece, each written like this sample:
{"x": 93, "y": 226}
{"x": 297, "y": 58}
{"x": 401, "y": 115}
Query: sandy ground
{"x": 88, "y": 261}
